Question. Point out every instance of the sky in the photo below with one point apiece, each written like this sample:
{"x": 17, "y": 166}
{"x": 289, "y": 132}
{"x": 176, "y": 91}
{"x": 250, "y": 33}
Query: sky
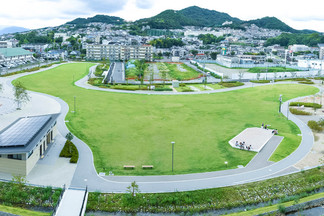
{"x": 34, "y": 14}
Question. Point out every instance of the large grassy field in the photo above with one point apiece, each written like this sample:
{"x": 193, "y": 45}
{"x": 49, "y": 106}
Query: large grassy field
{"x": 127, "y": 129}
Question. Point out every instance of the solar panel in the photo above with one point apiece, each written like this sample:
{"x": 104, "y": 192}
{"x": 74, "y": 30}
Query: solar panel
{"x": 23, "y": 131}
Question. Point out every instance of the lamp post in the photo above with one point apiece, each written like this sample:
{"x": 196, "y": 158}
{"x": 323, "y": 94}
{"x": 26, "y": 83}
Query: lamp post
{"x": 74, "y": 104}
{"x": 280, "y": 101}
{"x": 172, "y": 153}
{"x": 226, "y": 163}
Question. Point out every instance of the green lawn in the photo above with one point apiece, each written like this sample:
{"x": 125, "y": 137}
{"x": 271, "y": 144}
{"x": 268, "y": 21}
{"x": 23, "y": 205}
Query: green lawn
{"x": 271, "y": 69}
{"x": 127, "y": 129}
{"x": 21, "y": 211}
{"x": 175, "y": 73}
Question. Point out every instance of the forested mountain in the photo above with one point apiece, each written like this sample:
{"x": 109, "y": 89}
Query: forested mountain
{"x": 272, "y": 23}
{"x": 98, "y": 18}
{"x": 193, "y": 16}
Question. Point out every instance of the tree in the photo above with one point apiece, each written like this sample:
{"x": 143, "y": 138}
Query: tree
{"x": 141, "y": 66}
{"x": 133, "y": 189}
{"x": 69, "y": 136}
{"x": 194, "y": 52}
{"x": 21, "y": 94}
{"x": 213, "y": 55}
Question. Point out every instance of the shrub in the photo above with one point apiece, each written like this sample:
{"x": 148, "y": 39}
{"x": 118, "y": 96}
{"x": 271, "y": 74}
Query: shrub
{"x": 162, "y": 89}
{"x": 260, "y": 81}
{"x": 182, "y": 84}
{"x": 315, "y": 105}
{"x": 307, "y": 82}
{"x": 298, "y": 112}
{"x": 70, "y": 151}
{"x": 282, "y": 209}
{"x": 315, "y": 126}
{"x": 231, "y": 84}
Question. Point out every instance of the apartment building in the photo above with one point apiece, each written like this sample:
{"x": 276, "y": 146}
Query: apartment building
{"x": 117, "y": 52}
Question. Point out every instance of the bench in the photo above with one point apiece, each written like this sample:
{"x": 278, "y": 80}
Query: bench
{"x": 129, "y": 167}
{"x": 147, "y": 166}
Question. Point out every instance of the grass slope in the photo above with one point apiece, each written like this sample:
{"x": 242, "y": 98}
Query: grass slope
{"x": 126, "y": 129}
{"x": 22, "y": 212}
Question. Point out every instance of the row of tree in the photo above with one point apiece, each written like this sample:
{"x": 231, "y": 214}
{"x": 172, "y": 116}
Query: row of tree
{"x": 287, "y": 39}
{"x": 210, "y": 38}
{"x": 166, "y": 42}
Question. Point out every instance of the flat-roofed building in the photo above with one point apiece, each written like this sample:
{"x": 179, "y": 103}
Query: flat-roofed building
{"x": 119, "y": 52}
{"x": 321, "y": 53}
{"x": 25, "y": 141}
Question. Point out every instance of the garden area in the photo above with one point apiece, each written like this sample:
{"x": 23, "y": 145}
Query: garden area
{"x": 249, "y": 196}
{"x": 271, "y": 70}
{"x": 200, "y": 125}
{"x": 16, "y": 197}
{"x": 163, "y": 71}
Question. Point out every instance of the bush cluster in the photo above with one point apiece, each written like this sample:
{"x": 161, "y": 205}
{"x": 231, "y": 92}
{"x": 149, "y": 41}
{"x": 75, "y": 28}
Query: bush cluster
{"x": 282, "y": 188}
{"x": 231, "y": 84}
{"x": 162, "y": 89}
{"x": 315, "y": 126}
{"x": 307, "y": 82}
{"x": 70, "y": 151}
{"x": 298, "y": 112}
{"x": 260, "y": 81}
{"x": 19, "y": 195}
{"x": 315, "y": 105}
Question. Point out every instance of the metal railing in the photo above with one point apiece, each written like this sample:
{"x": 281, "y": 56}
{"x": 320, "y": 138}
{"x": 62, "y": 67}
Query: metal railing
{"x": 84, "y": 199}
{"x": 59, "y": 201}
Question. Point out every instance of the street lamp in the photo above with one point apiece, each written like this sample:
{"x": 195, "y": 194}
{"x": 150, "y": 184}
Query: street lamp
{"x": 74, "y": 104}
{"x": 172, "y": 153}
{"x": 226, "y": 163}
{"x": 280, "y": 101}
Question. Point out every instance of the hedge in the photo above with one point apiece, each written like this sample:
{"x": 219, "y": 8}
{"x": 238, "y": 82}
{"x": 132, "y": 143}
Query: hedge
{"x": 315, "y": 126}
{"x": 298, "y": 112}
{"x": 260, "y": 81}
{"x": 316, "y": 105}
{"x": 70, "y": 151}
{"x": 163, "y": 89}
{"x": 231, "y": 84}
{"x": 307, "y": 82}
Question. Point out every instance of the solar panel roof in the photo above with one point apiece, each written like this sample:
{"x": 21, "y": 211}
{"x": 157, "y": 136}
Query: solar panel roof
{"x": 23, "y": 131}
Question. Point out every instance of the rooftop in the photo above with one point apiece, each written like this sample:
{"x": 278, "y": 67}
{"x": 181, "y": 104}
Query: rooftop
{"x": 23, "y": 134}
{"x": 9, "y": 52}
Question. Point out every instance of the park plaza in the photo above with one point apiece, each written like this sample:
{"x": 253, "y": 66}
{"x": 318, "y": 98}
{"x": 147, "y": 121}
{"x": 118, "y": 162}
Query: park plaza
{"x": 253, "y": 139}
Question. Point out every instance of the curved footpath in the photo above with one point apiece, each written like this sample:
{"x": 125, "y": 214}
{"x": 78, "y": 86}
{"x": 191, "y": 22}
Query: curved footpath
{"x": 86, "y": 175}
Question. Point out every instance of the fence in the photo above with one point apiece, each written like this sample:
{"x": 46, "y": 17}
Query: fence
{"x": 231, "y": 65}
{"x": 108, "y": 75}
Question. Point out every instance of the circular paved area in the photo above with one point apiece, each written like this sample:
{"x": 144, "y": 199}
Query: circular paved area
{"x": 86, "y": 175}
{"x": 7, "y": 105}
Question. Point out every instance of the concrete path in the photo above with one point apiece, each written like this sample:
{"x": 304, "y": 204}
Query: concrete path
{"x": 71, "y": 203}
{"x": 86, "y": 174}
{"x": 118, "y": 74}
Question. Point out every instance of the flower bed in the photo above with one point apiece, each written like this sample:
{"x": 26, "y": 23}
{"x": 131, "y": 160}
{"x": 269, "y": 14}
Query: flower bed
{"x": 271, "y": 190}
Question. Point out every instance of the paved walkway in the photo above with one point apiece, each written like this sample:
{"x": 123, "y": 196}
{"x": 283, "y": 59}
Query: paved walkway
{"x": 86, "y": 174}
{"x": 71, "y": 203}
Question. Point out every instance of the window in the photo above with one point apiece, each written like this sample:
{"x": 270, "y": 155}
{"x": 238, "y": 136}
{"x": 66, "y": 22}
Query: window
{"x": 15, "y": 156}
